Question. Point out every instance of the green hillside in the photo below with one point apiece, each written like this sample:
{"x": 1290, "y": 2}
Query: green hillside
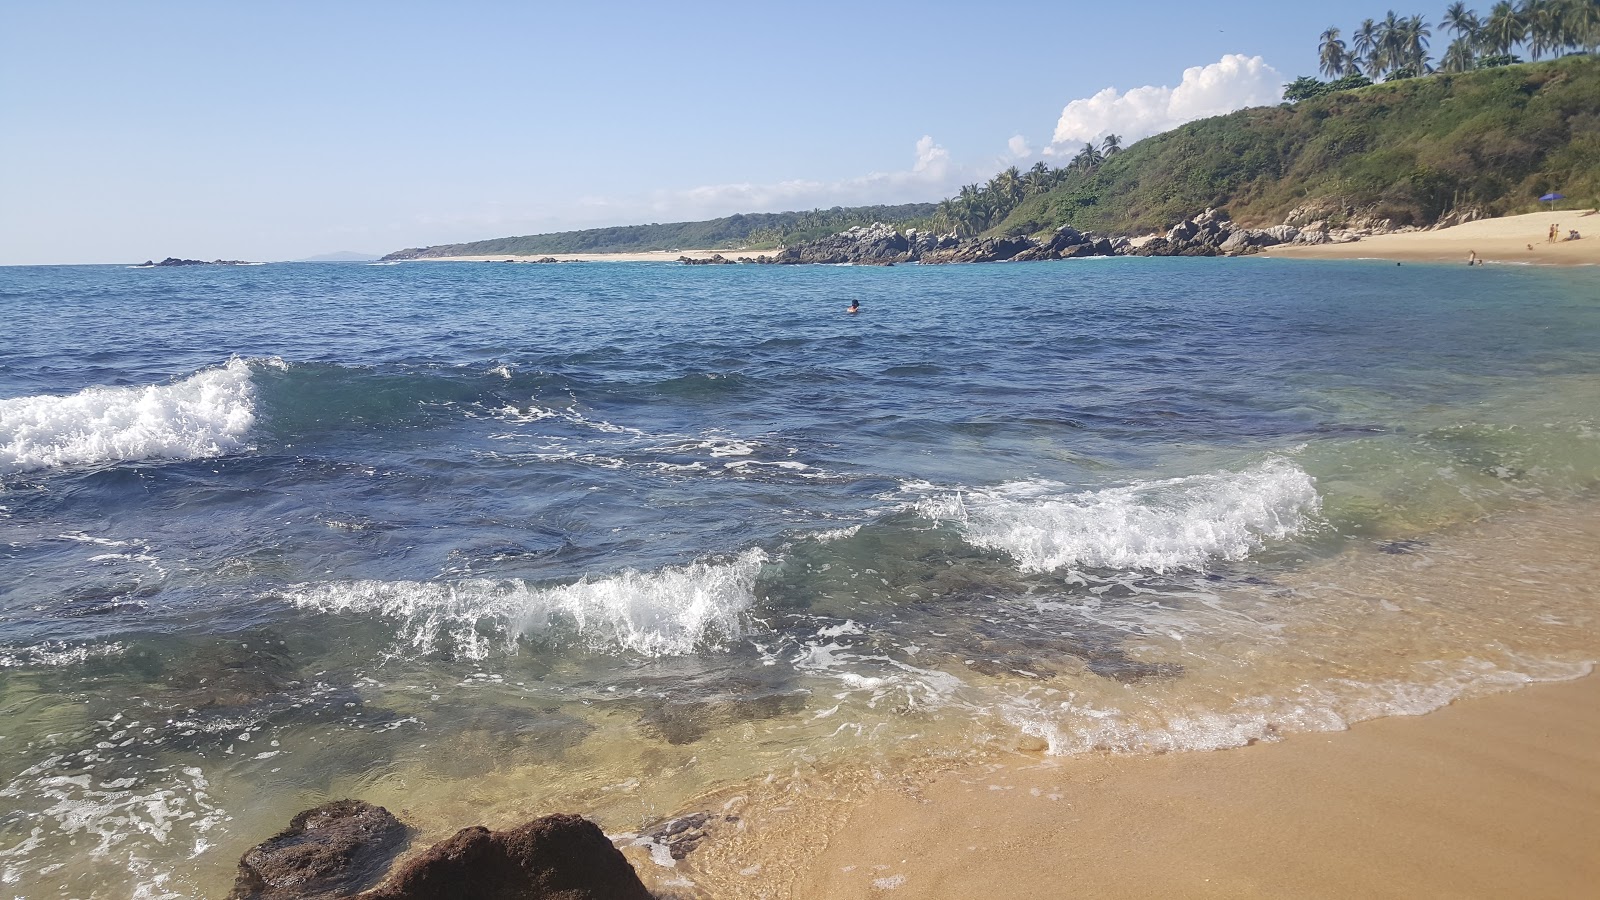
{"x": 755, "y": 230}
{"x": 1410, "y": 150}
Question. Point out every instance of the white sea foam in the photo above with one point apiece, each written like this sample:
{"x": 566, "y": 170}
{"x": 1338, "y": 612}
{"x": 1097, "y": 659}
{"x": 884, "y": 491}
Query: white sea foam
{"x": 667, "y": 612}
{"x": 206, "y": 414}
{"x": 1153, "y": 525}
{"x": 1073, "y": 727}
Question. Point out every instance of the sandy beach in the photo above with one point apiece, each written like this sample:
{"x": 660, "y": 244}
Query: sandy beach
{"x": 1496, "y": 796}
{"x": 1503, "y": 240}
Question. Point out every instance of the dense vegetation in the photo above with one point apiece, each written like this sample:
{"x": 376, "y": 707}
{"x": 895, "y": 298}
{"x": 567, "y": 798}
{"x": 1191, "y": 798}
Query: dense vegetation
{"x": 756, "y": 230}
{"x": 1397, "y": 47}
{"x": 1410, "y": 150}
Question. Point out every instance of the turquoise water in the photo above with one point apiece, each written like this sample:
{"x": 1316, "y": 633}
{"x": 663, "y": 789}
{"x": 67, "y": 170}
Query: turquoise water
{"x": 478, "y": 539}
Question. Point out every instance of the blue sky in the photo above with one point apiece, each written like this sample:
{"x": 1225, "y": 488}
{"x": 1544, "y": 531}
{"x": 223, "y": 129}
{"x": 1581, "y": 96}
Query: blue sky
{"x": 283, "y": 130}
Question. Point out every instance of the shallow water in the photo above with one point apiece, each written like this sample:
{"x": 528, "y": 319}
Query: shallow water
{"x": 481, "y": 541}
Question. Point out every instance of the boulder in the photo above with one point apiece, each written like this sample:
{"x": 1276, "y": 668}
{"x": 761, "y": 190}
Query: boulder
{"x": 334, "y": 850}
{"x": 560, "y": 857}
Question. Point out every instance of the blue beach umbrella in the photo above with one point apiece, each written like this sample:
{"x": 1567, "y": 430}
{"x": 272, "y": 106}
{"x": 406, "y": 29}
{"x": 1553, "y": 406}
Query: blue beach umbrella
{"x": 1551, "y": 198}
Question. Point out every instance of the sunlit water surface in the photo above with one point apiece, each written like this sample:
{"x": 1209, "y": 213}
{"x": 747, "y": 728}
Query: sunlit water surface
{"x": 484, "y": 541}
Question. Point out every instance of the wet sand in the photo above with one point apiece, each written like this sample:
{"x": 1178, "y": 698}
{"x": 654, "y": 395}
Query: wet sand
{"x": 1497, "y": 796}
{"x": 1503, "y": 240}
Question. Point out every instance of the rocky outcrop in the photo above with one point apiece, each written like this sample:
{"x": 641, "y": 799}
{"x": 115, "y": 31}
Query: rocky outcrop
{"x": 1210, "y": 233}
{"x": 174, "y": 261}
{"x": 337, "y": 851}
{"x": 559, "y": 857}
{"x": 332, "y": 851}
{"x": 716, "y": 259}
{"x": 881, "y": 245}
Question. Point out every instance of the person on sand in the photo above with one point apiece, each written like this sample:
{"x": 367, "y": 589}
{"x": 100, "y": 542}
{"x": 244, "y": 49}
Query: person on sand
{"x": 1551, "y": 237}
{"x": 855, "y": 307}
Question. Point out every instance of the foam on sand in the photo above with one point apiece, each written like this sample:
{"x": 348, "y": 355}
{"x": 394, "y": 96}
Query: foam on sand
{"x": 1152, "y": 525}
{"x": 206, "y": 414}
{"x": 668, "y": 612}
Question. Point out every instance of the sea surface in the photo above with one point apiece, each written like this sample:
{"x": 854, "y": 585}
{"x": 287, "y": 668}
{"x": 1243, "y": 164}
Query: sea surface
{"x": 484, "y": 541}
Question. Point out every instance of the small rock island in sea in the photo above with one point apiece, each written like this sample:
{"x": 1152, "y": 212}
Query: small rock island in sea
{"x": 174, "y": 261}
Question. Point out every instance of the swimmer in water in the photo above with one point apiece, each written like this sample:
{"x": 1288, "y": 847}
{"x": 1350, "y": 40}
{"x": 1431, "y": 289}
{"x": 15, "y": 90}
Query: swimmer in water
{"x": 855, "y": 307}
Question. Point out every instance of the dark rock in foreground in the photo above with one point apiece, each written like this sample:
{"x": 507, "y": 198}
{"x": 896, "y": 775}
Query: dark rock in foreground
{"x": 338, "y": 850}
{"x": 332, "y": 851}
{"x": 560, "y": 857}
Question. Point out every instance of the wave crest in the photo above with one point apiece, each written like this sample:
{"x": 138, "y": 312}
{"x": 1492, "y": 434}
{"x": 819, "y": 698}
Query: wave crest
{"x": 206, "y": 414}
{"x": 668, "y": 612}
{"x": 1153, "y": 525}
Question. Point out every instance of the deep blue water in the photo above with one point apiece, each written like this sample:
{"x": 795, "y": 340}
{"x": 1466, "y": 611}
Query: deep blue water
{"x": 614, "y": 481}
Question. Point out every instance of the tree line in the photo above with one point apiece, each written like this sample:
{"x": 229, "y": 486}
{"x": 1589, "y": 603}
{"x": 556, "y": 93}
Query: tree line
{"x": 1398, "y": 46}
{"x": 976, "y": 207}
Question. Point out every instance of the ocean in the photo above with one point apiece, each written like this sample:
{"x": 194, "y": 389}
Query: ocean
{"x": 479, "y": 542}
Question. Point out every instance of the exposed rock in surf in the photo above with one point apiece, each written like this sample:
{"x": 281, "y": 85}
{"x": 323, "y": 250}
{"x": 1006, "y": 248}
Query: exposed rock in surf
{"x": 559, "y": 857}
{"x": 684, "y": 717}
{"x": 332, "y": 851}
{"x": 717, "y": 259}
{"x": 174, "y": 261}
{"x": 680, "y": 836}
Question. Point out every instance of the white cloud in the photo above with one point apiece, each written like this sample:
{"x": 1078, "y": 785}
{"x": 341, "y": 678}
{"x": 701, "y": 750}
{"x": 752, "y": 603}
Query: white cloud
{"x": 931, "y": 176}
{"x": 1234, "y": 82}
{"x": 1019, "y": 147}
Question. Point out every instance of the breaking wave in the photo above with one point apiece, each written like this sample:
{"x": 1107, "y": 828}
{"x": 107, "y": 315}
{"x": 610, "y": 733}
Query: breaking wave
{"x": 668, "y": 612}
{"x": 206, "y": 414}
{"x": 1152, "y": 525}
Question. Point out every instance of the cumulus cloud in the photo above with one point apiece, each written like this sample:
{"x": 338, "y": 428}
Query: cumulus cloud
{"x": 1234, "y": 82}
{"x": 1019, "y": 147}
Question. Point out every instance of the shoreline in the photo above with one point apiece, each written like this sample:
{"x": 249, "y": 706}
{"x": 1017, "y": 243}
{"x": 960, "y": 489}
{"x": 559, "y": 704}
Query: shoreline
{"x": 670, "y": 256}
{"x": 1500, "y": 241}
{"x": 1490, "y": 796}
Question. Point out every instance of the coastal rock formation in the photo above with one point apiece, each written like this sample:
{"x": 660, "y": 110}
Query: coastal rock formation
{"x": 717, "y": 259}
{"x": 337, "y": 851}
{"x": 1210, "y": 233}
{"x": 560, "y": 857}
{"x": 882, "y": 245}
{"x": 332, "y": 851}
{"x": 174, "y": 261}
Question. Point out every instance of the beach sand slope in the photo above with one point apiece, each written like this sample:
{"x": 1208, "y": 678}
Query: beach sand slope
{"x": 1491, "y": 797}
{"x": 1503, "y": 240}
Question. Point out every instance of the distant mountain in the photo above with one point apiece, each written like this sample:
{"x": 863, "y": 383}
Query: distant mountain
{"x": 341, "y": 256}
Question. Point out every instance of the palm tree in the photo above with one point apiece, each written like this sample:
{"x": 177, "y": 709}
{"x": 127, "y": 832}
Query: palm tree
{"x": 1460, "y": 21}
{"x": 1111, "y": 146}
{"x": 1334, "y": 60}
{"x": 1088, "y": 159}
{"x": 1391, "y": 43}
{"x": 1038, "y": 179}
{"x": 1580, "y": 21}
{"x": 1505, "y": 28}
{"x": 1365, "y": 41}
{"x": 1414, "y": 43}
{"x": 1543, "y": 19}
{"x": 1459, "y": 57}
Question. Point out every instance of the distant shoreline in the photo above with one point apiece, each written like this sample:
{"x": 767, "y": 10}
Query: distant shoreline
{"x": 1500, "y": 241}
{"x": 624, "y": 256}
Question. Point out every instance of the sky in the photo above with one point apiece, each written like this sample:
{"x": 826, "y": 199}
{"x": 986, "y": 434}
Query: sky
{"x": 272, "y": 131}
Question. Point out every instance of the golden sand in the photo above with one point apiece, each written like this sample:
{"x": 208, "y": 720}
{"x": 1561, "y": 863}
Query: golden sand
{"x": 1511, "y": 239}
